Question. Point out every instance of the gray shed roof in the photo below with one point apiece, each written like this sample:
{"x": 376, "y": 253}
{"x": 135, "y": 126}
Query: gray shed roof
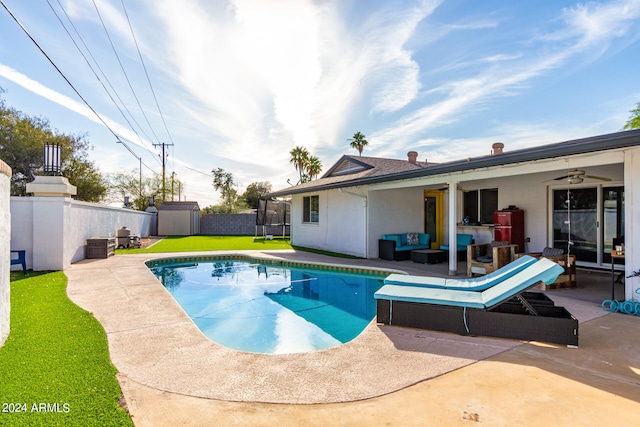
{"x": 378, "y": 170}
{"x": 179, "y": 206}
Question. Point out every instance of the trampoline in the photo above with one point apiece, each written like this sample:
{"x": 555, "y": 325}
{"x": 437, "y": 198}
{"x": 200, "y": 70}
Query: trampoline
{"x": 272, "y": 213}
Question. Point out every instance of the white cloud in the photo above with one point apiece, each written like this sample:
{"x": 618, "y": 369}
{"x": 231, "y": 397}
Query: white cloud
{"x": 595, "y": 23}
{"x": 587, "y": 27}
{"x": 70, "y": 104}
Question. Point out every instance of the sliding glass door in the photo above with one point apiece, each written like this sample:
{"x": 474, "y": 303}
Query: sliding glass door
{"x": 577, "y": 215}
{"x": 613, "y": 210}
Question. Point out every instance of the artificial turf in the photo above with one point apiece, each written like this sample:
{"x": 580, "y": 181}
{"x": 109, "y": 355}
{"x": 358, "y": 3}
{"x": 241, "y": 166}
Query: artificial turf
{"x": 54, "y": 366}
{"x": 222, "y": 243}
{"x": 211, "y": 243}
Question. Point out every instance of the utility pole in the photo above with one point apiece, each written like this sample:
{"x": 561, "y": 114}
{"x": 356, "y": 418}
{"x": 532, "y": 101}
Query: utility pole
{"x": 173, "y": 174}
{"x": 164, "y": 161}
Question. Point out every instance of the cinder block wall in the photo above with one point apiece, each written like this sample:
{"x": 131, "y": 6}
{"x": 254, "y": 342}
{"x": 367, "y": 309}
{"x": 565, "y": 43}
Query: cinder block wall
{"x": 234, "y": 225}
{"x": 5, "y": 241}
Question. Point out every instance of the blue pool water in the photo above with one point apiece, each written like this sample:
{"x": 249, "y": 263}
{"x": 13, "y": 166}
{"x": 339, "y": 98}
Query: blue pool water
{"x": 271, "y": 308}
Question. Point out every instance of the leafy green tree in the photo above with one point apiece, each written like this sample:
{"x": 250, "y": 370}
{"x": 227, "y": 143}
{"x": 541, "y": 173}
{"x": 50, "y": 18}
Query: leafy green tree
{"x": 123, "y": 184}
{"x": 358, "y": 142}
{"x": 91, "y": 186}
{"x": 634, "y": 119}
{"x": 299, "y": 158}
{"x": 254, "y": 191}
{"x": 223, "y": 182}
{"x": 308, "y": 166}
{"x": 22, "y": 141}
{"x": 313, "y": 167}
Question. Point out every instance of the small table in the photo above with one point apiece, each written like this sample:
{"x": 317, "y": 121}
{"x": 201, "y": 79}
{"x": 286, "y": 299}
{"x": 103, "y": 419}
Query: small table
{"x": 428, "y": 256}
{"x": 614, "y": 257}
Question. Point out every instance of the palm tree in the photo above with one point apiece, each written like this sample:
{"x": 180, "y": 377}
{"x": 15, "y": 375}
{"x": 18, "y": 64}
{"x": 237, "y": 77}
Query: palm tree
{"x": 313, "y": 167}
{"x": 358, "y": 142}
{"x": 299, "y": 158}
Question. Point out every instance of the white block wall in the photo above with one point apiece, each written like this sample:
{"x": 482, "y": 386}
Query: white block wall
{"x": 54, "y": 230}
{"x": 5, "y": 236}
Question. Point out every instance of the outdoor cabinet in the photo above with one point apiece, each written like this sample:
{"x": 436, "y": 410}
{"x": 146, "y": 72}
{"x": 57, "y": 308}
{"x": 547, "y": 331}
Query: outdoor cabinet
{"x": 509, "y": 227}
{"x": 101, "y": 247}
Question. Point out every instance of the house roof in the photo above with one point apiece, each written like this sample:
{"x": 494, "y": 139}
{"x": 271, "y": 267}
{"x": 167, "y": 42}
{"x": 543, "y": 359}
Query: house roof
{"x": 179, "y": 206}
{"x": 379, "y": 170}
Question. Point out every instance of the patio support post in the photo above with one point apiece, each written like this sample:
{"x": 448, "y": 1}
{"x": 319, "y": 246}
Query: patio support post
{"x": 632, "y": 221}
{"x": 453, "y": 241}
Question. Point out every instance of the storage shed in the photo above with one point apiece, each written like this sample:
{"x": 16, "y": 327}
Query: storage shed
{"x": 179, "y": 219}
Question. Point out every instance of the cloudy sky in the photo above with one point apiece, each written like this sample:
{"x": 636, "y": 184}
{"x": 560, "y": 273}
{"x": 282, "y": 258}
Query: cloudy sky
{"x": 237, "y": 84}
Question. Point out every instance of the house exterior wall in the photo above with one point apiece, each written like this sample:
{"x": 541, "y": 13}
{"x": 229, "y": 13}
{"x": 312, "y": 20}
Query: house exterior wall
{"x": 53, "y": 230}
{"x": 399, "y": 210}
{"x": 341, "y": 223}
{"x": 5, "y": 240}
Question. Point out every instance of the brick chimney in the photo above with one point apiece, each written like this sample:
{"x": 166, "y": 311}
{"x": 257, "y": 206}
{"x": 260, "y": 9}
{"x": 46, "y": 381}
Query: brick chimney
{"x": 496, "y": 148}
{"x": 412, "y": 156}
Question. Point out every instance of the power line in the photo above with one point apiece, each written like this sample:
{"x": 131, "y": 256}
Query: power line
{"x": 64, "y": 76}
{"x": 145, "y": 71}
{"x": 56, "y": 67}
{"x": 96, "y": 74}
{"x": 123, "y": 70}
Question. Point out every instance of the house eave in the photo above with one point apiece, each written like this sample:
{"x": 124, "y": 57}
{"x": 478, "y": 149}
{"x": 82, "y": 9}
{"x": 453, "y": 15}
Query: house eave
{"x": 593, "y": 144}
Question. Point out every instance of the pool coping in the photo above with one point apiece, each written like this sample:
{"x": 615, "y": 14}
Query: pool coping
{"x": 153, "y": 342}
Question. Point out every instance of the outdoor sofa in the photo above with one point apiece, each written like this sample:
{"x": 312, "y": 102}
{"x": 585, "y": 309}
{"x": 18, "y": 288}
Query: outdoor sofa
{"x": 503, "y": 310}
{"x": 398, "y": 247}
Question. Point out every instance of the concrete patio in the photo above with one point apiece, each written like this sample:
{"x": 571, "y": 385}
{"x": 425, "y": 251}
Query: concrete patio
{"x": 171, "y": 374}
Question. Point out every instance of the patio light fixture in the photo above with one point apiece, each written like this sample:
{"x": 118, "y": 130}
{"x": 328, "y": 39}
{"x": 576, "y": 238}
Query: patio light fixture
{"x": 52, "y": 160}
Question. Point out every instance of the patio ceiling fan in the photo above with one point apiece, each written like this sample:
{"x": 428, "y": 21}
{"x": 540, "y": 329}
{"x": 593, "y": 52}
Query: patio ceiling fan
{"x": 576, "y": 176}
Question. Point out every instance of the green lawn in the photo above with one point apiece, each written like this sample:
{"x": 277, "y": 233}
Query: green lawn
{"x": 221, "y": 243}
{"x": 211, "y": 243}
{"x": 54, "y": 367}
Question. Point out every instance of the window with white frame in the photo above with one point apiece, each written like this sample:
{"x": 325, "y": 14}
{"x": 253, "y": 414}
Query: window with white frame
{"x": 310, "y": 209}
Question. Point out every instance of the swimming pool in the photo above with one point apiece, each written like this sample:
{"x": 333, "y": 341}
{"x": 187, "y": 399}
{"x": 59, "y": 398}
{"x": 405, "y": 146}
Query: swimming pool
{"x": 271, "y": 307}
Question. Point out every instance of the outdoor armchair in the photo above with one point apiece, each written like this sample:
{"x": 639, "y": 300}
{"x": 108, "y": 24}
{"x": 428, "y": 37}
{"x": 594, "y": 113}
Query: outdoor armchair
{"x": 483, "y": 258}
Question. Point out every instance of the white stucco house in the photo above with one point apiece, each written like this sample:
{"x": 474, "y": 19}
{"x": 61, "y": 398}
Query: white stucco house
{"x": 584, "y": 191}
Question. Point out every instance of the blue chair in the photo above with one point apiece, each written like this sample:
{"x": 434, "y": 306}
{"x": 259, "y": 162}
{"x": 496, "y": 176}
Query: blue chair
{"x": 463, "y": 240}
{"x": 20, "y": 260}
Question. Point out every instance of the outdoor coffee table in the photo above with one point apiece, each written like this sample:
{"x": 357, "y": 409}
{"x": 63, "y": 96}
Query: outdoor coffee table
{"x": 428, "y": 256}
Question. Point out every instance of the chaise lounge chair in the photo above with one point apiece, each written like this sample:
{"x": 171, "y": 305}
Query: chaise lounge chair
{"x": 504, "y": 310}
{"x": 475, "y": 284}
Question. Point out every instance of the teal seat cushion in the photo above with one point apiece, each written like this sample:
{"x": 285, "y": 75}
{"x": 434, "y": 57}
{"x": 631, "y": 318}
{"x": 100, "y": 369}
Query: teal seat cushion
{"x": 541, "y": 270}
{"x": 408, "y": 280}
{"x": 424, "y": 239}
{"x": 485, "y": 282}
{"x": 464, "y": 239}
{"x": 473, "y": 284}
{"x": 430, "y": 296}
{"x": 394, "y": 237}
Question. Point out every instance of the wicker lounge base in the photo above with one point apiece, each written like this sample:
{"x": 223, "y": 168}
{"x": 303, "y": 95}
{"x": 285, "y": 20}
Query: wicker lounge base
{"x": 529, "y": 316}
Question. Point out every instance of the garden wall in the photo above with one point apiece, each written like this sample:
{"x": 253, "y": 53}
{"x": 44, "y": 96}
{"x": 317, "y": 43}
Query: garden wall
{"x": 5, "y": 238}
{"x": 54, "y": 230}
{"x": 235, "y": 225}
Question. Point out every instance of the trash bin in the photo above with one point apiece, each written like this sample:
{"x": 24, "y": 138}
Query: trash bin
{"x": 122, "y": 238}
